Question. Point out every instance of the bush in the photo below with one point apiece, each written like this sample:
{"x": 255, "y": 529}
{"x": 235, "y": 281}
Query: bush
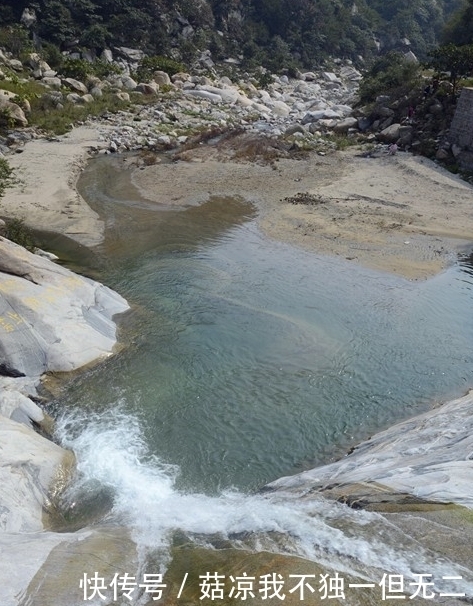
{"x": 5, "y": 175}
{"x": 19, "y": 233}
{"x": 15, "y": 39}
{"x": 149, "y": 65}
{"x": 76, "y": 68}
{"x": 390, "y": 75}
{"x": 60, "y": 120}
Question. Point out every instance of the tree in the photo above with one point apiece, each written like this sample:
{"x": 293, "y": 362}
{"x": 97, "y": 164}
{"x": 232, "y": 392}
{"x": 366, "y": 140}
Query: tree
{"x": 457, "y": 61}
{"x": 390, "y": 75}
{"x": 459, "y": 29}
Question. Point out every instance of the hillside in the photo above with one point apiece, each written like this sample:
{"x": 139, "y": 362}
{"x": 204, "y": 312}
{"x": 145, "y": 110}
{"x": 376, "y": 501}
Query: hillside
{"x": 274, "y": 33}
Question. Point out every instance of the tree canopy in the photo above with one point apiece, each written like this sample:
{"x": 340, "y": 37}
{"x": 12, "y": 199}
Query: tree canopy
{"x": 271, "y": 32}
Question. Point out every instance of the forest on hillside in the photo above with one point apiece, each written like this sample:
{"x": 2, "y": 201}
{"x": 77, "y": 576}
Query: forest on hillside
{"x": 268, "y": 32}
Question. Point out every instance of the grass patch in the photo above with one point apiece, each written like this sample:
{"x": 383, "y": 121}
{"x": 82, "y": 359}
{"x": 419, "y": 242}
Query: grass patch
{"x": 60, "y": 120}
{"x": 341, "y": 142}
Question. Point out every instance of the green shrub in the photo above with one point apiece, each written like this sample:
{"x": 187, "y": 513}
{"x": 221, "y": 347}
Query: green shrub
{"x": 52, "y": 55}
{"x": 19, "y": 233}
{"x": 149, "y": 65}
{"x": 390, "y": 75}
{"x": 76, "y": 68}
{"x": 15, "y": 39}
{"x": 60, "y": 120}
{"x": 5, "y": 175}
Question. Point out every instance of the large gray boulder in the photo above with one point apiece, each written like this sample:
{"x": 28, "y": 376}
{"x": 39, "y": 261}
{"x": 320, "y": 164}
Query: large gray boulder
{"x": 75, "y": 85}
{"x": 344, "y": 125}
{"x": 50, "y": 318}
{"x": 13, "y": 111}
{"x": 389, "y": 134}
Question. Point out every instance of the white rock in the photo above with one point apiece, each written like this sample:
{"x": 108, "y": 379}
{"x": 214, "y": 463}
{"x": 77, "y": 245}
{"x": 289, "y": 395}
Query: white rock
{"x": 54, "y": 320}
{"x": 75, "y": 85}
{"x": 29, "y": 464}
{"x": 204, "y": 94}
{"x": 280, "y": 108}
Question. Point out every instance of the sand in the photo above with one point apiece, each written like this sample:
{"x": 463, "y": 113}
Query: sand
{"x": 402, "y": 214}
{"x": 44, "y": 195}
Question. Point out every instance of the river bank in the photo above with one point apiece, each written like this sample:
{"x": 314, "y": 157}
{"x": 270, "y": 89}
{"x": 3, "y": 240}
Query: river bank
{"x": 402, "y": 214}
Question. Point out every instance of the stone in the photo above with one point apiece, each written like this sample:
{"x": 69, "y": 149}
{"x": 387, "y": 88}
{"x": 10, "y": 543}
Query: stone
{"x": 343, "y": 110}
{"x": 96, "y": 92}
{"x": 75, "y": 85}
{"x": 29, "y": 465}
{"x": 384, "y": 112}
{"x": 350, "y": 73}
{"x": 88, "y": 98}
{"x": 227, "y": 95}
{"x": 3, "y": 227}
{"x": 428, "y": 456}
{"x": 442, "y": 154}
{"x": 161, "y": 78}
{"x": 52, "y": 82}
{"x": 129, "y": 83}
{"x": 204, "y": 94}
{"x": 331, "y": 78}
{"x": 6, "y": 96}
{"x": 133, "y": 55}
{"x": 294, "y": 128}
{"x": 313, "y": 116}
{"x": 309, "y": 76}
{"x": 364, "y": 123}
{"x": 74, "y": 98}
{"x": 14, "y": 112}
{"x": 164, "y": 140}
{"x": 60, "y": 321}
{"x": 344, "y": 125}
{"x": 121, "y": 96}
{"x": 436, "y": 109}
{"x": 410, "y": 57}
{"x": 28, "y": 17}
{"x": 390, "y": 134}
{"x": 281, "y": 109}
{"x": 107, "y": 56}
{"x": 456, "y": 150}
{"x": 225, "y": 81}
{"x": 16, "y": 64}
{"x": 180, "y": 76}
{"x": 147, "y": 88}
{"x": 51, "y": 99}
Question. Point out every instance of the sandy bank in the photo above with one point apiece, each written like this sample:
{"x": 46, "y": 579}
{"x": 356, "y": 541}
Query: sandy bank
{"x": 401, "y": 214}
{"x": 45, "y": 196}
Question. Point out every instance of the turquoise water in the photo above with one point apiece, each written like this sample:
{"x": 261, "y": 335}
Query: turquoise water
{"x": 249, "y": 359}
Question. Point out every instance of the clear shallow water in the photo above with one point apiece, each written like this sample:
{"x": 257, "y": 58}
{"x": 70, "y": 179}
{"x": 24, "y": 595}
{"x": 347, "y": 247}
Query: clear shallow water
{"x": 251, "y": 359}
{"x": 247, "y": 360}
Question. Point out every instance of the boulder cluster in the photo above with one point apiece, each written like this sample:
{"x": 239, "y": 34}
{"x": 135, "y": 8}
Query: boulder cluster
{"x": 310, "y": 110}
